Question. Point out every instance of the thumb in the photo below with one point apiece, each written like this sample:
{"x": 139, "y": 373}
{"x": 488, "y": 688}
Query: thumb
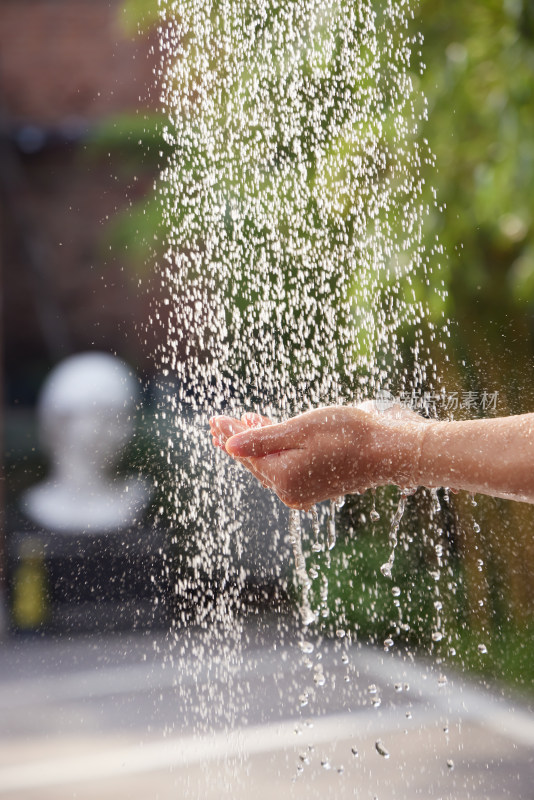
{"x": 264, "y": 441}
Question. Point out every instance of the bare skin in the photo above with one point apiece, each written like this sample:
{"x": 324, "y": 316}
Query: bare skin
{"x": 340, "y": 450}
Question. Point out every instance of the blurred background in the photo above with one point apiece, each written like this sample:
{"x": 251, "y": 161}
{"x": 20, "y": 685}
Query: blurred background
{"x": 76, "y": 89}
{"x": 80, "y": 150}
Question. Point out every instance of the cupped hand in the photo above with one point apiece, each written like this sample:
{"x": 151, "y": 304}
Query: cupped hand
{"x": 324, "y": 453}
{"x": 223, "y": 428}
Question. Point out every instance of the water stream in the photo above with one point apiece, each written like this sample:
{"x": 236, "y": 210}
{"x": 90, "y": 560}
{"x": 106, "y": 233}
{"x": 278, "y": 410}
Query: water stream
{"x": 295, "y": 275}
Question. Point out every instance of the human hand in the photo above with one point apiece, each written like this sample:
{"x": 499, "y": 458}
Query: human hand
{"x": 324, "y": 453}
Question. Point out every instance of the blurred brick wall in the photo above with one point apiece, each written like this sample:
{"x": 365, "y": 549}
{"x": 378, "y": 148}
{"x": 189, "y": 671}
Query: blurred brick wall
{"x": 60, "y": 58}
{"x": 65, "y": 60}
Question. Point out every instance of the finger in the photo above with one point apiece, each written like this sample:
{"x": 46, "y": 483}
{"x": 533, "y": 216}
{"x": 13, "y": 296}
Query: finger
{"x": 265, "y": 441}
{"x": 252, "y": 420}
{"x": 222, "y": 428}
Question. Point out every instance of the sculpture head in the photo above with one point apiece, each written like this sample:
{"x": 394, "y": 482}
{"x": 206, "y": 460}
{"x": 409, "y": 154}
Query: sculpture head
{"x": 85, "y": 412}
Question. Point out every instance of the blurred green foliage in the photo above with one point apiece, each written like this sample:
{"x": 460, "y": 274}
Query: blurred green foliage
{"x": 508, "y": 658}
{"x": 424, "y": 597}
{"x": 361, "y": 600}
{"x": 135, "y": 142}
{"x": 140, "y": 16}
{"x": 479, "y": 81}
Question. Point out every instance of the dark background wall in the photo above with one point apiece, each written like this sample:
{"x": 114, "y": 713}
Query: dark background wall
{"x": 65, "y": 68}
{"x": 68, "y": 68}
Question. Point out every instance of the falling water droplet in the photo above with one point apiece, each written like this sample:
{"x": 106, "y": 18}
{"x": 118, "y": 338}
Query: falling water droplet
{"x": 381, "y": 749}
{"x": 295, "y": 537}
{"x": 331, "y": 542}
{"x": 387, "y": 568}
{"x": 374, "y": 515}
{"x": 482, "y": 649}
{"x": 317, "y": 546}
{"x": 436, "y": 505}
{"x": 319, "y": 679}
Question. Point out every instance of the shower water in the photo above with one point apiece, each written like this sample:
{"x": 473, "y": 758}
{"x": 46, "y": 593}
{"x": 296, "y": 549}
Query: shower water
{"x": 295, "y": 273}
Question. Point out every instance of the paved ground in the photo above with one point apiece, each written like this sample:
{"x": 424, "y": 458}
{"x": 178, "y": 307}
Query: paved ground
{"x": 245, "y": 713}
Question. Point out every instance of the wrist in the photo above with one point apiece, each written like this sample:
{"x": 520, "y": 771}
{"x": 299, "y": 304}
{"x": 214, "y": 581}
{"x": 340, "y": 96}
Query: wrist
{"x": 403, "y": 453}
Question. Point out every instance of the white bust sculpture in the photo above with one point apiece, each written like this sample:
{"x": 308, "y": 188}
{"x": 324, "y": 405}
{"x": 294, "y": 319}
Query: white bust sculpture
{"x": 85, "y": 416}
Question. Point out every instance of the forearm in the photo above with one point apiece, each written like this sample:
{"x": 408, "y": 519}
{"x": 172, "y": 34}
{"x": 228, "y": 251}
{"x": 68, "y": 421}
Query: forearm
{"x": 491, "y": 456}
